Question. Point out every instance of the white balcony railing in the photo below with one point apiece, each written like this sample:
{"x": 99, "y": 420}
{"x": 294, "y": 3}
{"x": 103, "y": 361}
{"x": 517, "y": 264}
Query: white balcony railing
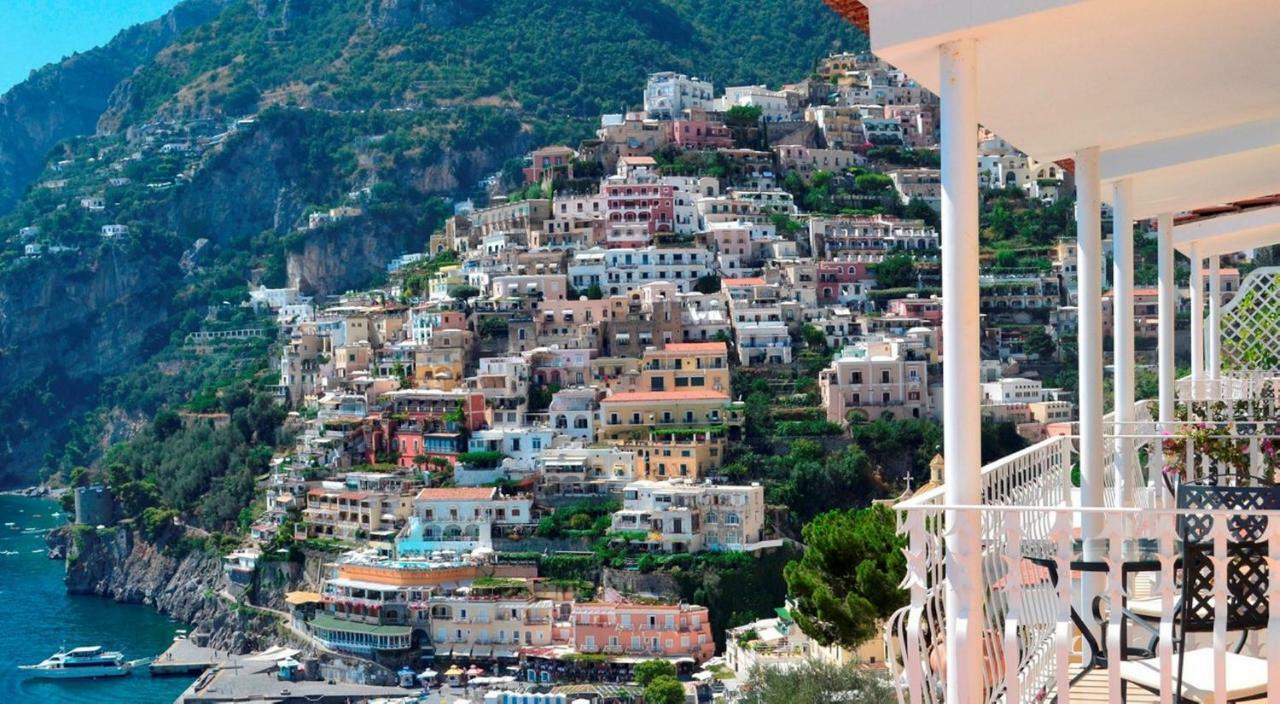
{"x": 1036, "y": 635}
{"x": 1031, "y": 647}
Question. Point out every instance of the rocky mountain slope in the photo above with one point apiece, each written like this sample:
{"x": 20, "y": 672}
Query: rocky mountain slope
{"x": 171, "y": 573}
{"x": 395, "y": 105}
{"x": 67, "y": 98}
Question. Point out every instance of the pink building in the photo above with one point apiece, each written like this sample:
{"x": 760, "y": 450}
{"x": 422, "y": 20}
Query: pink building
{"x": 838, "y": 280}
{"x": 926, "y": 309}
{"x": 643, "y": 204}
{"x": 550, "y": 161}
{"x": 698, "y": 132}
{"x": 659, "y": 630}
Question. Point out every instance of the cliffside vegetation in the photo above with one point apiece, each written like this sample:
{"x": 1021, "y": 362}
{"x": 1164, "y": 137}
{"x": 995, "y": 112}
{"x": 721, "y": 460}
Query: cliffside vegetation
{"x": 384, "y": 104}
{"x": 545, "y": 58}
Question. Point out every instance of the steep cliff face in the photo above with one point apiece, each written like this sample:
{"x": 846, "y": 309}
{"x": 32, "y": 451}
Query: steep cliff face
{"x": 398, "y": 14}
{"x": 340, "y": 258}
{"x": 65, "y": 99}
{"x": 167, "y": 574}
{"x": 66, "y": 323}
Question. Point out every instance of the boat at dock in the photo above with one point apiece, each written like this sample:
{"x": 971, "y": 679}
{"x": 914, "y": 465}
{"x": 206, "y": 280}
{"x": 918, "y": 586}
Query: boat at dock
{"x": 85, "y": 662}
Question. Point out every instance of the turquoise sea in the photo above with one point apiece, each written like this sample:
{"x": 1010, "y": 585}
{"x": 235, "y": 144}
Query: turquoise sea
{"x": 37, "y": 617}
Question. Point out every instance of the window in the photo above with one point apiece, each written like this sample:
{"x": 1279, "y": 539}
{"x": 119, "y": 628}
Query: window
{"x": 884, "y": 376}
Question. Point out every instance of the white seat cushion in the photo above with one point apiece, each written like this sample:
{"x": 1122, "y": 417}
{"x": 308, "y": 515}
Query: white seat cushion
{"x": 1152, "y": 607}
{"x": 1246, "y": 675}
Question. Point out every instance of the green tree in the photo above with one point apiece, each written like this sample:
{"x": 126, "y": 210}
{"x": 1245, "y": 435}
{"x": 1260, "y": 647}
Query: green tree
{"x": 1000, "y": 438}
{"x": 896, "y": 271}
{"x": 816, "y": 682}
{"x": 847, "y": 581}
{"x": 650, "y": 670}
{"x": 743, "y": 115}
{"x": 813, "y": 336}
{"x": 1040, "y": 343}
{"x": 919, "y": 209}
{"x": 462, "y": 293}
{"x": 664, "y": 690}
{"x": 707, "y": 284}
{"x": 493, "y": 326}
{"x": 872, "y": 183}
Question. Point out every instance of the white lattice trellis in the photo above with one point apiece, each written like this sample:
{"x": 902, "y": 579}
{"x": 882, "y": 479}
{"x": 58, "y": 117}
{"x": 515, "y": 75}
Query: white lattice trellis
{"x": 1251, "y": 323}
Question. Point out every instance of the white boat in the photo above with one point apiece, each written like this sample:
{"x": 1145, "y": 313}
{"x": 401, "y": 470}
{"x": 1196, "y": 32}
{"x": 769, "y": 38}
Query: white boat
{"x": 90, "y": 661}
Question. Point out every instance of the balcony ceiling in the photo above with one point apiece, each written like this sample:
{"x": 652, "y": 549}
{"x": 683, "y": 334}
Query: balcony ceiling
{"x": 1231, "y": 228}
{"x": 1179, "y": 96}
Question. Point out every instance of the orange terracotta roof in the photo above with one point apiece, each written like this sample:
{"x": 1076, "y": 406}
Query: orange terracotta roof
{"x": 316, "y": 492}
{"x": 647, "y": 396}
{"x": 353, "y": 495}
{"x": 853, "y": 11}
{"x": 467, "y": 493}
{"x": 687, "y": 347}
{"x": 1233, "y": 207}
{"x": 1137, "y": 292}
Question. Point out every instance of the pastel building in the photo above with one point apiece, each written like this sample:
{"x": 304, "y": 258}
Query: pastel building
{"x": 697, "y": 131}
{"x": 686, "y": 365}
{"x": 670, "y": 631}
{"x": 681, "y": 517}
{"x": 668, "y": 94}
{"x": 460, "y": 518}
{"x": 876, "y": 378}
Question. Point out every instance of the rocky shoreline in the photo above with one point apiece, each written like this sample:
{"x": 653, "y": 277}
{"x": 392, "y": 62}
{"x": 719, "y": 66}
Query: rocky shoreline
{"x": 172, "y": 573}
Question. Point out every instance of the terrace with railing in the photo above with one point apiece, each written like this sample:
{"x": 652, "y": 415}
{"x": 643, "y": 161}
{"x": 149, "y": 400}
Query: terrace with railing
{"x": 1129, "y": 559}
{"x": 1038, "y": 635}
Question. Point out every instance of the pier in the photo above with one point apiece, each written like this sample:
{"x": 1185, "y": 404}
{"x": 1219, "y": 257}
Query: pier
{"x": 184, "y": 657}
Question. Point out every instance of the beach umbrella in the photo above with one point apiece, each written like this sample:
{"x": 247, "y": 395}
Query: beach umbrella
{"x": 453, "y": 671}
{"x": 475, "y": 671}
{"x": 428, "y": 674}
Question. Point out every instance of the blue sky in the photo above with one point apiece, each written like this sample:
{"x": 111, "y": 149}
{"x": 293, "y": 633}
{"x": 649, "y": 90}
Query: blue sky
{"x": 37, "y": 32}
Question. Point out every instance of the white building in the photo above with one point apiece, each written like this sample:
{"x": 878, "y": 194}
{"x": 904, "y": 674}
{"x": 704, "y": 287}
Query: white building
{"x": 667, "y": 94}
{"x": 623, "y": 271}
{"x": 461, "y": 518}
{"x": 774, "y": 105}
{"x": 875, "y": 378}
{"x": 684, "y": 517}
{"x": 686, "y": 190}
{"x": 869, "y": 238}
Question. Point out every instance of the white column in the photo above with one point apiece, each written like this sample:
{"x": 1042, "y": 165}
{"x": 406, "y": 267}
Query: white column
{"x": 1213, "y": 367}
{"x": 1089, "y": 248}
{"x": 1196, "y": 284}
{"x": 1089, "y": 342}
{"x": 1168, "y": 317}
{"x": 961, "y": 417}
{"x": 1123, "y": 334}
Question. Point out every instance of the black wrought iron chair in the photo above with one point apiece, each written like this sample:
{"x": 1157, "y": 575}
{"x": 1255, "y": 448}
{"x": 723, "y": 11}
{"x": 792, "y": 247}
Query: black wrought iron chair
{"x": 1246, "y": 589}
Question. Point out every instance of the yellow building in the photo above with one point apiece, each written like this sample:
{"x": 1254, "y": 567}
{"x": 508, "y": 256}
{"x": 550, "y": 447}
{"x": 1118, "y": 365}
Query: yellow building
{"x": 686, "y": 365}
{"x": 441, "y": 363}
{"x": 672, "y": 433}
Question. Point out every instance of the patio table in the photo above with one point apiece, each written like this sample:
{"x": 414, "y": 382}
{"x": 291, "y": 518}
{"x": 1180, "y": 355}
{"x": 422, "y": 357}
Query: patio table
{"x": 1136, "y": 555}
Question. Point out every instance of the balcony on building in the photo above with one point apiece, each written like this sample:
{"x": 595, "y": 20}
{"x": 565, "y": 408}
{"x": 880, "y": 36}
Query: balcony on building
{"x": 1128, "y": 558}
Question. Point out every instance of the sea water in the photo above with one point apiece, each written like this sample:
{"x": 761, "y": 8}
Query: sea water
{"x": 38, "y": 617}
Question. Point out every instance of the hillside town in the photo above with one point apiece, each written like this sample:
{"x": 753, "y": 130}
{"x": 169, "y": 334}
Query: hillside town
{"x": 560, "y": 381}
